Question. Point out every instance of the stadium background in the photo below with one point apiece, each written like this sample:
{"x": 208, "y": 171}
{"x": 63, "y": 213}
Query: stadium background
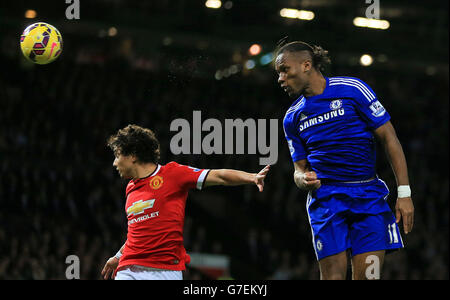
{"x": 150, "y": 62}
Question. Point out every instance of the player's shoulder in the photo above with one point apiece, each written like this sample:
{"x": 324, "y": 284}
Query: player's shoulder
{"x": 174, "y": 166}
{"x": 177, "y": 170}
{"x": 351, "y": 86}
{"x": 296, "y": 106}
{"x": 347, "y": 82}
{"x": 170, "y": 166}
{"x": 341, "y": 79}
{"x": 170, "y": 169}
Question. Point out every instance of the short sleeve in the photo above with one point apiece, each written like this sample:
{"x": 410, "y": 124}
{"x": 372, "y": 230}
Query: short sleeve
{"x": 295, "y": 144}
{"x": 189, "y": 177}
{"x": 367, "y": 103}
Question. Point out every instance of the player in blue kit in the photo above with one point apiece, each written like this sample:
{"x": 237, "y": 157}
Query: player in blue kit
{"x": 331, "y": 129}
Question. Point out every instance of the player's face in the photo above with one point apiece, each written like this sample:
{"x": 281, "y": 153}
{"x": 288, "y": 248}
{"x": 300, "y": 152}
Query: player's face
{"x": 293, "y": 73}
{"x": 124, "y": 165}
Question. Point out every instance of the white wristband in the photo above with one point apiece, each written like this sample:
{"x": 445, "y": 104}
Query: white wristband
{"x": 118, "y": 254}
{"x": 403, "y": 191}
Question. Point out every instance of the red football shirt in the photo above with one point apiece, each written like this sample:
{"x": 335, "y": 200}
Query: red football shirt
{"x": 155, "y": 211}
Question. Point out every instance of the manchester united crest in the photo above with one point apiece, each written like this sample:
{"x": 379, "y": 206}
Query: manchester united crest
{"x": 156, "y": 182}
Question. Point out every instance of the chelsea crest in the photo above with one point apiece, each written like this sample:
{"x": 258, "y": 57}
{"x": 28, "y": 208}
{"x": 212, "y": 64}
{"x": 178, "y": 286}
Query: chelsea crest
{"x": 336, "y": 104}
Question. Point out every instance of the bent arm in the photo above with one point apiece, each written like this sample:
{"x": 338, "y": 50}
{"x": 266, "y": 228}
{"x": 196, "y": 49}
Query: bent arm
{"x": 300, "y": 168}
{"x": 121, "y": 250}
{"x": 404, "y": 208}
{"x": 394, "y": 151}
{"x": 304, "y": 178}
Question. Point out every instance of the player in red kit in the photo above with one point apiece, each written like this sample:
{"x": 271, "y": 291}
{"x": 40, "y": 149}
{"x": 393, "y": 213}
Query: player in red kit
{"x": 155, "y": 203}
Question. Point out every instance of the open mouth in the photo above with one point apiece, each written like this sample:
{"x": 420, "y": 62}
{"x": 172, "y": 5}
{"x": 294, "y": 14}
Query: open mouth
{"x": 287, "y": 89}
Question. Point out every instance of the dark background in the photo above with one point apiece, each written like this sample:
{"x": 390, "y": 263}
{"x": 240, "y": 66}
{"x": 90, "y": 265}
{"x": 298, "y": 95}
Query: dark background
{"x": 59, "y": 194}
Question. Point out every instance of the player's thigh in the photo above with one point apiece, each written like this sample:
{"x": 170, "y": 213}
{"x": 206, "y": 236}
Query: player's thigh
{"x": 167, "y": 275}
{"x": 367, "y": 265}
{"x": 334, "y": 267}
{"x": 143, "y": 273}
{"x": 125, "y": 274}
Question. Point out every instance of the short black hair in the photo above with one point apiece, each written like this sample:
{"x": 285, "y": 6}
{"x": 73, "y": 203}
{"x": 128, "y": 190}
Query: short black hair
{"x": 319, "y": 56}
{"x": 138, "y": 141}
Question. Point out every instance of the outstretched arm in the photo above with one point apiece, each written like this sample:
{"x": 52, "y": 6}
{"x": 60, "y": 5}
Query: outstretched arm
{"x": 235, "y": 177}
{"x": 404, "y": 207}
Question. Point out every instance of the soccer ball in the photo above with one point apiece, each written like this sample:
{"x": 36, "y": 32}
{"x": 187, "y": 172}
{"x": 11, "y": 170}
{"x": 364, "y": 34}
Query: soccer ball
{"x": 41, "y": 43}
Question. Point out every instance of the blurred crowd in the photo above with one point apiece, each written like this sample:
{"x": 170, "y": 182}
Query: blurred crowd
{"x": 60, "y": 196}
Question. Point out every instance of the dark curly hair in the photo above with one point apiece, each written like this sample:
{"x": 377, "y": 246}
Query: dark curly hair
{"x": 138, "y": 141}
{"x": 319, "y": 55}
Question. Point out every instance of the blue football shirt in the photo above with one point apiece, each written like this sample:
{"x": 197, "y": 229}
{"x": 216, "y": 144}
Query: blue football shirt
{"x": 334, "y": 130}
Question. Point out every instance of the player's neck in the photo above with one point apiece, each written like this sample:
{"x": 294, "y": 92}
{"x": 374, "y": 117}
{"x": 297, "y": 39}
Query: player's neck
{"x": 145, "y": 170}
{"x": 317, "y": 85}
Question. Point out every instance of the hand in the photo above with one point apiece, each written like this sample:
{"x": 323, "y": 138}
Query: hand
{"x": 110, "y": 267}
{"x": 404, "y": 208}
{"x": 259, "y": 178}
{"x": 308, "y": 181}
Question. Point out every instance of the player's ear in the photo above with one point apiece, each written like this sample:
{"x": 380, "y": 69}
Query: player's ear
{"x": 307, "y": 65}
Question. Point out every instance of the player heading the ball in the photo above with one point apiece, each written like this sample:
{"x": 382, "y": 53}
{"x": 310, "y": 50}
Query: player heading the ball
{"x": 331, "y": 130}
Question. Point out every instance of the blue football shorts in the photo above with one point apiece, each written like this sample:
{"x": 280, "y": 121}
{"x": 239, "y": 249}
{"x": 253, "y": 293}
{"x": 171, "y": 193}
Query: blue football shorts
{"x": 353, "y": 216}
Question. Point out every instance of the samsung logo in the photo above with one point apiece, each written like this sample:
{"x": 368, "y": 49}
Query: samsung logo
{"x": 319, "y": 119}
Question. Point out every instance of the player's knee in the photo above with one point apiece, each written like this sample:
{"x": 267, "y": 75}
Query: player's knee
{"x": 359, "y": 276}
{"x": 334, "y": 272}
{"x": 333, "y": 276}
{"x": 334, "y": 267}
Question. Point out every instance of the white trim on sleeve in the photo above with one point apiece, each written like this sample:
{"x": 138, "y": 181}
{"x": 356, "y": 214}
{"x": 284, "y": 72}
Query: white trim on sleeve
{"x": 201, "y": 179}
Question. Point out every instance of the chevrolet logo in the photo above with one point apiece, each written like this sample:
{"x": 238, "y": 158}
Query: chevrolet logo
{"x": 138, "y": 207}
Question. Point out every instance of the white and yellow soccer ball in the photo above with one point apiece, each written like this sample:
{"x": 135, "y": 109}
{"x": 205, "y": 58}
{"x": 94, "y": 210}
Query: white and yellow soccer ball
{"x": 41, "y": 43}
